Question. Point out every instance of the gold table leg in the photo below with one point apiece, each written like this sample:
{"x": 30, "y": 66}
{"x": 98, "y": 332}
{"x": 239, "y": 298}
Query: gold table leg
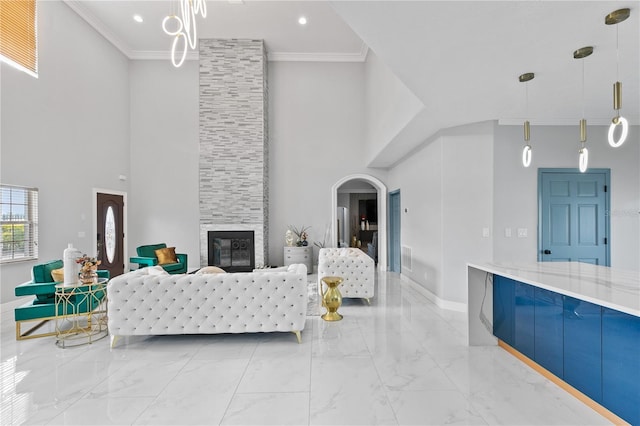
{"x": 332, "y": 298}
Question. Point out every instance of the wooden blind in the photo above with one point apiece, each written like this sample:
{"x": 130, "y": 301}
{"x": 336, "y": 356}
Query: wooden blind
{"x": 18, "y": 33}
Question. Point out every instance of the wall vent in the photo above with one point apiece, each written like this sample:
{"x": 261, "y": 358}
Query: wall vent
{"x": 406, "y": 258}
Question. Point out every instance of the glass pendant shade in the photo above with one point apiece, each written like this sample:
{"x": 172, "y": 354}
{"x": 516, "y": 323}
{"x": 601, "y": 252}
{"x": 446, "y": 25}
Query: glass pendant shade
{"x": 617, "y": 120}
{"x": 526, "y": 156}
{"x": 583, "y": 159}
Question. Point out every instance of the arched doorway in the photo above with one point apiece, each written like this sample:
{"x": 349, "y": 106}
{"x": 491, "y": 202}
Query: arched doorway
{"x": 381, "y": 190}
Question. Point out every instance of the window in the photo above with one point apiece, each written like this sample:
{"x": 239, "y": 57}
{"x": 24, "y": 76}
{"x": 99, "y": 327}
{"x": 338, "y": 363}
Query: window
{"x": 18, "y": 35}
{"x": 19, "y": 222}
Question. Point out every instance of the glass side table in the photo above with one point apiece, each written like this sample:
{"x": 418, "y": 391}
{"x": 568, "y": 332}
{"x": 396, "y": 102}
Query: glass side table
{"x": 81, "y": 313}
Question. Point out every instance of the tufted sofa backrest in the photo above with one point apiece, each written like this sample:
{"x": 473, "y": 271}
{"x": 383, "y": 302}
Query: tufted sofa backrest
{"x": 142, "y": 304}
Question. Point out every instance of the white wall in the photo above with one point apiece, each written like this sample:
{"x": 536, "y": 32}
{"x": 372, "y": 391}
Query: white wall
{"x": 164, "y": 200}
{"x": 389, "y": 106}
{"x": 316, "y": 137}
{"x": 516, "y": 187}
{"x": 66, "y": 132}
{"x": 447, "y": 189}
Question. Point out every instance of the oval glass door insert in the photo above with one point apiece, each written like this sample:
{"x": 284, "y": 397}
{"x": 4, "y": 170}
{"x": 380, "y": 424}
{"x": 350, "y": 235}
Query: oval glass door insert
{"x": 110, "y": 234}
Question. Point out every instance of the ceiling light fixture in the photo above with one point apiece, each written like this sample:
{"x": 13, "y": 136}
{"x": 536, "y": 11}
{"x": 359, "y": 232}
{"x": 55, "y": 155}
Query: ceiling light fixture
{"x": 138, "y": 18}
{"x": 583, "y": 153}
{"x": 526, "y": 151}
{"x": 615, "y": 18}
{"x": 185, "y": 31}
{"x": 302, "y": 20}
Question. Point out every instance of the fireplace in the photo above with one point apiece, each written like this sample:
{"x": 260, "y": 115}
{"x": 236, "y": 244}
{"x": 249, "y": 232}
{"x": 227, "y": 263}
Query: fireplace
{"x": 233, "y": 251}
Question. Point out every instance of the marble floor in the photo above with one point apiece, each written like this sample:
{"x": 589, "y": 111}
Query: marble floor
{"x": 401, "y": 360}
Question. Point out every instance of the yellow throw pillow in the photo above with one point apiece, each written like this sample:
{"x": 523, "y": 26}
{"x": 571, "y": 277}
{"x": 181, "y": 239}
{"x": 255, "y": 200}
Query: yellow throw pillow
{"x": 211, "y": 270}
{"x": 166, "y": 255}
{"x": 57, "y": 275}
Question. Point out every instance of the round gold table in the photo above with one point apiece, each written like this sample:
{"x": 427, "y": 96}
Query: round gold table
{"x": 332, "y": 298}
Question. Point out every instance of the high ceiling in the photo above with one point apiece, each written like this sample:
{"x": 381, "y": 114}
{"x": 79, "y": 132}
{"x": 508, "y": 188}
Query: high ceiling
{"x": 461, "y": 59}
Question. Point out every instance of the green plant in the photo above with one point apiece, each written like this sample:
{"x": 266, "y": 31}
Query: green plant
{"x": 301, "y": 234}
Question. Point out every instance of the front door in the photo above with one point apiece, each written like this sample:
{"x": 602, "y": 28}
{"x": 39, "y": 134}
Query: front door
{"x": 394, "y": 231}
{"x": 110, "y": 236}
{"x": 573, "y": 224}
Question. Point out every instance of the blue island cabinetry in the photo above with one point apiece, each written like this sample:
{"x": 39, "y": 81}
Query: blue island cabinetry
{"x": 594, "y": 349}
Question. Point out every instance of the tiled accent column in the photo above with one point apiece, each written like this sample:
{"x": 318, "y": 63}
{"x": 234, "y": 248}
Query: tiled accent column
{"x": 234, "y": 180}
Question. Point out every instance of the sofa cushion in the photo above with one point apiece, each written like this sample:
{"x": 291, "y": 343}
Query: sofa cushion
{"x": 58, "y": 275}
{"x": 150, "y": 250}
{"x": 42, "y": 272}
{"x": 166, "y": 255}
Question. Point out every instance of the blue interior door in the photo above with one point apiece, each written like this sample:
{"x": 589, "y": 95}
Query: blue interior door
{"x": 573, "y": 222}
{"x": 394, "y": 231}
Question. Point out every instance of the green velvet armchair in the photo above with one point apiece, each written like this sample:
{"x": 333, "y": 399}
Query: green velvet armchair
{"x": 147, "y": 257}
{"x": 43, "y": 308}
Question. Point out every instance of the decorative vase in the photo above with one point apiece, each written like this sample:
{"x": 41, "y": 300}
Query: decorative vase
{"x": 288, "y": 238}
{"x": 89, "y": 276}
{"x": 332, "y": 298}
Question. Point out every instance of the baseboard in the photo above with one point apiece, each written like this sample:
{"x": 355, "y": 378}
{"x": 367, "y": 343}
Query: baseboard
{"x": 441, "y": 303}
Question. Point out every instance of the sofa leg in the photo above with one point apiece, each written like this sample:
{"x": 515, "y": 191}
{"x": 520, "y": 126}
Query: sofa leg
{"x": 114, "y": 340}
{"x": 297, "y": 333}
{"x": 368, "y": 301}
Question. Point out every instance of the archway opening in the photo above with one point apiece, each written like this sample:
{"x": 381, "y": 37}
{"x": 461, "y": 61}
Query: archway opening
{"x": 360, "y": 190}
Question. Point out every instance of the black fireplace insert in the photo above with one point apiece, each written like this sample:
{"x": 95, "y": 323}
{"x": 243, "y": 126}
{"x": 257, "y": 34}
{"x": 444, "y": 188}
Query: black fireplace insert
{"x": 233, "y": 251}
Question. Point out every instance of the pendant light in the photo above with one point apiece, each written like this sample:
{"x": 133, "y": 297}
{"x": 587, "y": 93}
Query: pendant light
{"x": 583, "y": 152}
{"x": 185, "y": 28}
{"x": 526, "y": 151}
{"x": 614, "y": 18}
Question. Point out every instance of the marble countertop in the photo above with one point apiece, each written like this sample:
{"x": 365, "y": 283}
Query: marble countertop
{"x": 602, "y": 285}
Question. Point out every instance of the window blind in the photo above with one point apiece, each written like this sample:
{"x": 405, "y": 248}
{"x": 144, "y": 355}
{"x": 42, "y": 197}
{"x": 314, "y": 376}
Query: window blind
{"x": 19, "y": 222}
{"x": 18, "y": 34}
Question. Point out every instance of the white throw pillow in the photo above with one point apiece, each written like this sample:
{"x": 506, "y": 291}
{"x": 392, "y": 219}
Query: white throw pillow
{"x": 156, "y": 270}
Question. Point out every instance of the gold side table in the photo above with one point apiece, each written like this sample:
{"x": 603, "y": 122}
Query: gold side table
{"x": 332, "y": 298}
{"x": 81, "y": 313}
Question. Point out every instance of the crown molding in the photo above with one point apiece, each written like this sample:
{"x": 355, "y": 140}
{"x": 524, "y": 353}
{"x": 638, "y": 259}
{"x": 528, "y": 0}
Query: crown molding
{"x": 360, "y": 56}
{"x": 99, "y": 26}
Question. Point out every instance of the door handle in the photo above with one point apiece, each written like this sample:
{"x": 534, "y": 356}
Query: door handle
{"x": 547, "y": 251}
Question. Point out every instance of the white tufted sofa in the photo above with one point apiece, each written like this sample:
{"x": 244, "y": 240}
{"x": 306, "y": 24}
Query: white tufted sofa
{"x": 353, "y": 265}
{"x": 143, "y": 304}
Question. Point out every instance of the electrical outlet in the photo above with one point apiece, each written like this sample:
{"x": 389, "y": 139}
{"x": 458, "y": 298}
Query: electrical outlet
{"x": 486, "y": 232}
{"x": 522, "y": 232}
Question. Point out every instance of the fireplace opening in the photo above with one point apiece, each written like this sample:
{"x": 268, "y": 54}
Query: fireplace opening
{"x": 233, "y": 251}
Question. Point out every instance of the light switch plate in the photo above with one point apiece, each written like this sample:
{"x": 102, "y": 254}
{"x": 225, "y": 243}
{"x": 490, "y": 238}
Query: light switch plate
{"x": 522, "y": 232}
{"x": 507, "y": 232}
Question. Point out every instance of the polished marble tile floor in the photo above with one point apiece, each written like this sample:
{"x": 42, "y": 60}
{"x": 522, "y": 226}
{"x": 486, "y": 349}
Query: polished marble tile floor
{"x": 401, "y": 360}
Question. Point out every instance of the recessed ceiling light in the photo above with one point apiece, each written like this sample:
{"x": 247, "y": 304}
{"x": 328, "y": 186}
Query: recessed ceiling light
{"x": 137, "y": 18}
{"x": 302, "y": 20}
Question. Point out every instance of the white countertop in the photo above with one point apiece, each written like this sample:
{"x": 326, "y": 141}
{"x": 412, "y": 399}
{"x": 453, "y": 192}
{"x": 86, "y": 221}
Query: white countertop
{"x": 602, "y": 285}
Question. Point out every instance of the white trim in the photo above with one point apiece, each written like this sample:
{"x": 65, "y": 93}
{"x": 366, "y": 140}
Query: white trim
{"x": 441, "y": 303}
{"x": 99, "y": 26}
{"x": 125, "y": 251}
{"x": 123, "y": 47}
{"x": 382, "y": 213}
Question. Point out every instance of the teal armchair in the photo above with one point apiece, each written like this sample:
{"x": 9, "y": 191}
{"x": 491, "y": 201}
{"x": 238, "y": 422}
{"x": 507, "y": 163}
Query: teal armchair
{"x": 147, "y": 257}
{"x": 43, "y": 308}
